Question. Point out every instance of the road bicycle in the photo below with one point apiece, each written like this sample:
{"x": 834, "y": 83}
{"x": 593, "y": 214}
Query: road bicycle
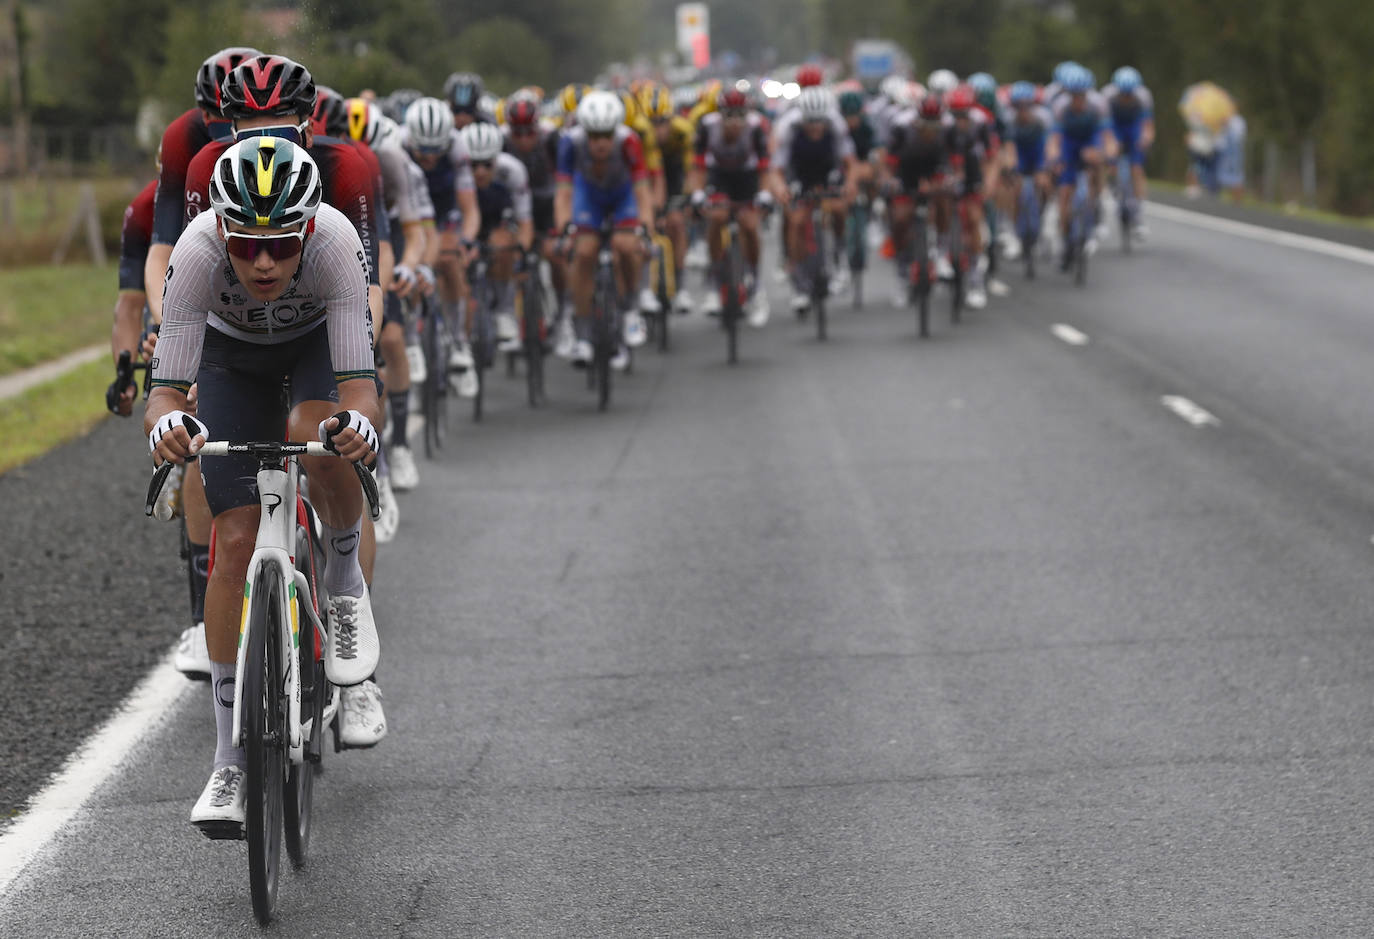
{"x": 1127, "y": 206}
{"x": 856, "y": 246}
{"x": 1029, "y": 215}
{"x": 818, "y": 254}
{"x": 1082, "y": 222}
{"x": 282, "y": 698}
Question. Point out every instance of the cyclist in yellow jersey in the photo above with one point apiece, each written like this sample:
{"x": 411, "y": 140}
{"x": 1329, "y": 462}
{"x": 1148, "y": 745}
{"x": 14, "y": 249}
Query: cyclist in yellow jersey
{"x": 672, "y": 138}
{"x": 706, "y": 103}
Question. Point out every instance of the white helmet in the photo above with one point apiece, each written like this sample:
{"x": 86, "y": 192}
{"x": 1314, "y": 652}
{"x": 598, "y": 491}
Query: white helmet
{"x": 894, "y": 88}
{"x": 816, "y": 103}
{"x": 600, "y": 112}
{"x": 483, "y": 141}
{"x": 265, "y": 182}
{"x": 942, "y": 81}
{"x": 429, "y": 122}
{"x": 388, "y": 133}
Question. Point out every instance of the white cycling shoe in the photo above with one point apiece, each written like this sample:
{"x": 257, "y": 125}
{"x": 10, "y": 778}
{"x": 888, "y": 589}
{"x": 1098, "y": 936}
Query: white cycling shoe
{"x": 192, "y": 656}
{"x": 839, "y": 281}
{"x": 633, "y": 330}
{"x": 943, "y": 269}
{"x": 1011, "y": 250}
{"x": 507, "y": 332}
{"x": 682, "y": 303}
{"x": 467, "y": 383}
{"x": 582, "y": 354}
{"x": 566, "y": 342}
{"x": 621, "y": 360}
{"x": 648, "y": 301}
{"x": 362, "y": 722}
{"x": 757, "y": 315}
{"x": 710, "y": 304}
{"x": 801, "y": 302}
{"x": 353, "y": 649}
{"x": 460, "y": 357}
{"x": 389, "y": 518}
{"x": 415, "y": 357}
{"x": 222, "y": 808}
{"x": 404, "y": 473}
{"x": 976, "y": 298}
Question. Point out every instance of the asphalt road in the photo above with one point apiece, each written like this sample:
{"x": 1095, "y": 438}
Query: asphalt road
{"x": 970, "y": 636}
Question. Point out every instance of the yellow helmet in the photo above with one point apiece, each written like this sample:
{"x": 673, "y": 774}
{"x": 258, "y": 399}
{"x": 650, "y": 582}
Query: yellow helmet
{"x": 631, "y": 106}
{"x": 571, "y": 96}
{"x": 709, "y": 93}
{"x": 498, "y": 112}
{"x": 655, "y": 101}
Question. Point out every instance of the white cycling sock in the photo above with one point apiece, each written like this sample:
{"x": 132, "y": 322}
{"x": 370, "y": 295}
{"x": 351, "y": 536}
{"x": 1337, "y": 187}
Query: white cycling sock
{"x": 222, "y": 693}
{"x": 343, "y": 575}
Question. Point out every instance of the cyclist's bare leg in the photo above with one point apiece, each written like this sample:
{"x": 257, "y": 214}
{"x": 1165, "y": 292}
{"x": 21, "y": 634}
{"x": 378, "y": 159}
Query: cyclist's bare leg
{"x": 629, "y": 258}
{"x": 393, "y": 345}
{"x": 236, "y": 535}
{"x": 899, "y": 215}
{"x": 748, "y": 218}
{"x": 675, "y": 227}
{"x": 582, "y": 275}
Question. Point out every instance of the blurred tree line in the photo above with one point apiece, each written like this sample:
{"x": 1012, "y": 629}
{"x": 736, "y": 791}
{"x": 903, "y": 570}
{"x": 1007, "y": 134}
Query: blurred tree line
{"x": 1297, "y": 68}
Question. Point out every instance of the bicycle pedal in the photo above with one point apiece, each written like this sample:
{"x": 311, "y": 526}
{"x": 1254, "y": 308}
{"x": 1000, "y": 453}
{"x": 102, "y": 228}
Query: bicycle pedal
{"x": 222, "y": 831}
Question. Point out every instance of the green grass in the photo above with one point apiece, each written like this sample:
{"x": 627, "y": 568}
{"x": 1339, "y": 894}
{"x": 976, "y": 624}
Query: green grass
{"x": 1291, "y": 210}
{"x": 55, "y": 412}
{"x": 40, "y": 211}
{"x": 46, "y": 312}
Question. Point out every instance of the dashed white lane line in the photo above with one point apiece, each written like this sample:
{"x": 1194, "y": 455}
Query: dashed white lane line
{"x": 1192, "y": 413}
{"x": 87, "y": 769}
{"x": 1257, "y": 233}
{"x": 1070, "y": 335}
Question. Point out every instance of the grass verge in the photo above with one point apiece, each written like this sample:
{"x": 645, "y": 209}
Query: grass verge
{"x": 46, "y": 312}
{"x": 1290, "y": 210}
{"x": 53, "y": 413}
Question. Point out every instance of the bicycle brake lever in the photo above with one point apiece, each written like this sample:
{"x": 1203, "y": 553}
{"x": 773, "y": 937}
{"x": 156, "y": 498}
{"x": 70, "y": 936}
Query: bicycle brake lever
{"x": 155, "y": 486}
{"x": 369, "y": 484}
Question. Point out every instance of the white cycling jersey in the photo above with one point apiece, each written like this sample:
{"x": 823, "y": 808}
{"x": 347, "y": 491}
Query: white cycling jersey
{"x": 330, "y": 289}
{"x": 784, "y": 130}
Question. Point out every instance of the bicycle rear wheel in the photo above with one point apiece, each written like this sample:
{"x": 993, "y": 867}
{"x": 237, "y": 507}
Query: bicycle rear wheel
{"x": 298, "y": 796}
{"x": 605, "y": 337}
{"x": 956, "y": 261}
{"x": 481, "y": 357}
{"x": 820, "y": 279}
{"x": 732, "y": 284}
{"x": 534, "y": 339}
{"x": 436, "y": 374}
{"x": 263, "y": 716}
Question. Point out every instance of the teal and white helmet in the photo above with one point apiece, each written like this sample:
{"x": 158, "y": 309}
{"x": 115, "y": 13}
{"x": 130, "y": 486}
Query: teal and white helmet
{"x": 265, "y": 182}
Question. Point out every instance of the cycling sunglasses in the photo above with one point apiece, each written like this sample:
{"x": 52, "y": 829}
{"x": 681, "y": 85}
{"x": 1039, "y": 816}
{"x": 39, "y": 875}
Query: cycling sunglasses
{"x": 600, "y": 134}
{"x": 247, "y": 247}
{"x": 292, "y": 132}
{"x": 481, "y": 164}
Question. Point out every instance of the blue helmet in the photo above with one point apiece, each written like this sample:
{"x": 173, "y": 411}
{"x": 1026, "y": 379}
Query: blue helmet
{"x": 1062, "y": 69}
{"x": 982, "y": 82}
{"x": 1022, "y": 92}
{"x": 1127, "y": 79}
{"x": 1077, "y": 80}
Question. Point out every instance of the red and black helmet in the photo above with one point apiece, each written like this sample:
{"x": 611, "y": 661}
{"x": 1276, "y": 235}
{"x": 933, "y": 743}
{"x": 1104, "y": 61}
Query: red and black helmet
{"x": 732, "y": 99}
{"x": 521, "y": 112}
{"x": 212, "y": 71}
{"x": 268, "y": 84}
{"x": 330, "y": 115}
{"x": 962, "y": 99}
{"x": 931, "y": 109}
{"x": 809, "y": 76}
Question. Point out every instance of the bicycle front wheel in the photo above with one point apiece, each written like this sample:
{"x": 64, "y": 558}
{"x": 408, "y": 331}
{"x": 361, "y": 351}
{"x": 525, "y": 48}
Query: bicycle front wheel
{"x": 263, "y": 717}
{"x": 298, "y": 794}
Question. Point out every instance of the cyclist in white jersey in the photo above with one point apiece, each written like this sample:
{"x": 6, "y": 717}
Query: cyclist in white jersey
{"x": 271, "y": 286}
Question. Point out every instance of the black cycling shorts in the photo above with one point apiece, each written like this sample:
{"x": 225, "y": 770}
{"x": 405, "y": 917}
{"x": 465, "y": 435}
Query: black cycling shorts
{"x": 241, "y": 397}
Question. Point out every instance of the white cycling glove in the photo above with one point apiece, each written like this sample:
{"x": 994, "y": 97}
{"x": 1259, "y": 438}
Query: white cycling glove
{"x": 403, "y": 275}
{"x": 170, "y": 422}
{"x": 425, "y": 274}
{"x": 352, "y": 419}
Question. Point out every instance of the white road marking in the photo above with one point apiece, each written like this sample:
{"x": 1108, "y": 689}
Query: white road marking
{"x": 1070, "y": 335}
{"x": 1257, "y": 233}
{"x": 1190, "y": 412}
{"x": 87, "y": 769}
